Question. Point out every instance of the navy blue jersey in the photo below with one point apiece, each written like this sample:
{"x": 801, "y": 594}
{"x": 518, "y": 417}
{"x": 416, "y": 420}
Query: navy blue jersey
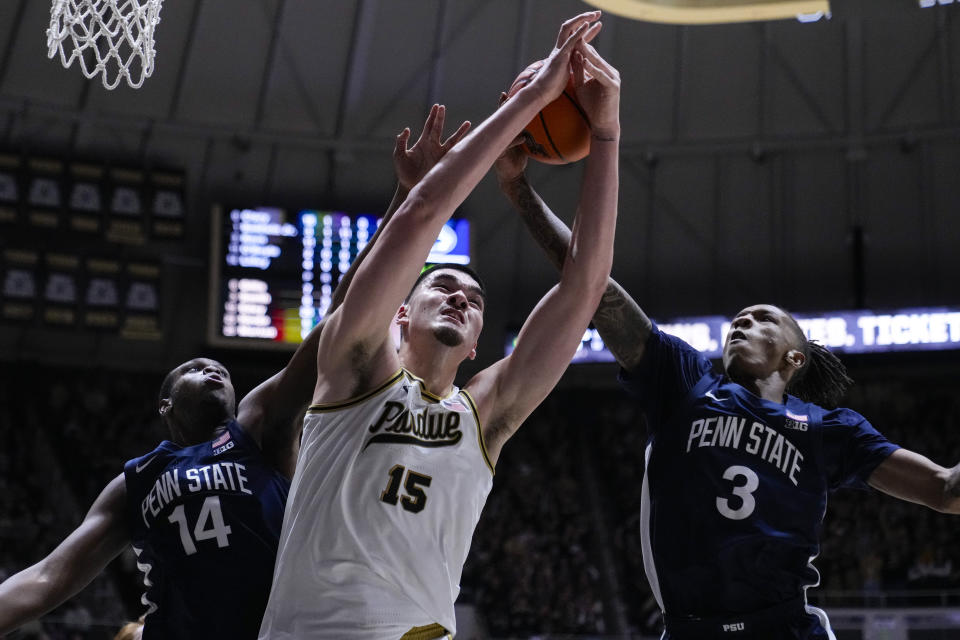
{"x": 204, "y": 523}
{"x": 736, "y": 486}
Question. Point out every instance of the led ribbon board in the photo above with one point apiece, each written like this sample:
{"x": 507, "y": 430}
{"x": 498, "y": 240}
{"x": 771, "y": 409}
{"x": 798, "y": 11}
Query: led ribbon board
{"x": 922, "y": 329}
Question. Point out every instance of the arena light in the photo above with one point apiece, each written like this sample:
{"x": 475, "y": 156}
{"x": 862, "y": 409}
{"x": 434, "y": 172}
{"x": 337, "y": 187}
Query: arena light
{"x": 712, "y": 11}
{"x": 812, "y": 17}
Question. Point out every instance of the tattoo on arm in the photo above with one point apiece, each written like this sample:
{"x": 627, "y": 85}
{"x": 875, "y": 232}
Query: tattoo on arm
{"x": 548, "y": 230}
{"x": 623, "y": 326}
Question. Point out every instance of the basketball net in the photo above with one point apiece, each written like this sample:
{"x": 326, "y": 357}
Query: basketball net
{"x": 113, "y": 38}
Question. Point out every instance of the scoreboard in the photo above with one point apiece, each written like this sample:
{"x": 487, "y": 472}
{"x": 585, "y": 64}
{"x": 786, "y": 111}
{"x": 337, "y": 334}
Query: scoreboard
{"x": 273, "y": 271}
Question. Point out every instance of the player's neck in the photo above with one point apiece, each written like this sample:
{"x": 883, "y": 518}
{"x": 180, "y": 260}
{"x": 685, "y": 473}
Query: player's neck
{"x": 770, "y": 388}
{"x": 435, "y": 365}
{"x": 189, "y": 435}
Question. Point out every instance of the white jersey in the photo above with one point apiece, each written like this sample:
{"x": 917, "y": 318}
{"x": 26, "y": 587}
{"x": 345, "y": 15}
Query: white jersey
{"x": 388, "y": 490}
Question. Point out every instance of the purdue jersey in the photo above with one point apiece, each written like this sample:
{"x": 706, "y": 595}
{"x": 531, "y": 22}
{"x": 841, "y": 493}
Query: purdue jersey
{"x": 736, "y": 486}
{"x": 204, "y": 523}
{"x": 388, "y": 490}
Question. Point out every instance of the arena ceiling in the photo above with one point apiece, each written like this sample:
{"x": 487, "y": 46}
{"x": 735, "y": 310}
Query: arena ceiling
{"x": 812, "y": 164}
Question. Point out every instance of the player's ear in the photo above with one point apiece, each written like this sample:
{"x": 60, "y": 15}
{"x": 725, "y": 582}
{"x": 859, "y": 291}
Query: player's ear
{"x": 165, "y": 405}
{"x": 402, "y": 317}
{"x": 795, "y": 358}
{"x": 473, "y": 352}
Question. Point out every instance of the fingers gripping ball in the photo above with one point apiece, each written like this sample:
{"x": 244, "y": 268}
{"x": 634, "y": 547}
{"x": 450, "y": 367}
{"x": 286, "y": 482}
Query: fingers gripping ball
{"x": 560, "y": 133}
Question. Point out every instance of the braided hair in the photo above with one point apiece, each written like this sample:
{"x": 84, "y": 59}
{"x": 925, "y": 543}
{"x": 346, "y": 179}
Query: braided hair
{"x": 822, "y": 380}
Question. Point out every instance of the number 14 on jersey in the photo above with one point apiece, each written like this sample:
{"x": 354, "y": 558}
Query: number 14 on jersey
{"x": 209, "y": 526}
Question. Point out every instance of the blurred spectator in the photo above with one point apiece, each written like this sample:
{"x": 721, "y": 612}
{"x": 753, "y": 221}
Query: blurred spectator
{"x": 84, "y": 425}
{"x": 530, "y": 570}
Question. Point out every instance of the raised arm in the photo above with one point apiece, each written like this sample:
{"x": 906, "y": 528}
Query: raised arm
{"x": 70, "y": 567}
{"x": 410, "y": 165}
{"x": 508, "y": 391}
{"x": 355, "y": 347}
{"x": 620, "y": 321}
{"x": 915, "y": 478}
{"x": 270, "y": 412}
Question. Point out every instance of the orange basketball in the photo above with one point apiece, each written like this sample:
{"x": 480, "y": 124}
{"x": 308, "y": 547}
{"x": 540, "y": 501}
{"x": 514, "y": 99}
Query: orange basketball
{"x": 560, "y": 133}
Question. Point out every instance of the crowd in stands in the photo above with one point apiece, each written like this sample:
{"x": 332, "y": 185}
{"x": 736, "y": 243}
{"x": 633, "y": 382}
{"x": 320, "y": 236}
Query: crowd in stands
{"x": 64, "y": 435}
{"x": 883, "y": 546}
{"x": 532, "y": 567}
{"x": 535, "y": 566}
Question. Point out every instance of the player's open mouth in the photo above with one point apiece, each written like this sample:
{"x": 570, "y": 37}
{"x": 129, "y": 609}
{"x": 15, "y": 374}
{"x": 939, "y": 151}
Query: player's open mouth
{"x": 456, "y": 315}
{"x": 737, "y": 335}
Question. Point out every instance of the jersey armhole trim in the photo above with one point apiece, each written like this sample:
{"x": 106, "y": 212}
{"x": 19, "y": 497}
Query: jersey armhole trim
{"x": 476, "y": 416}
{"x": 335, "y": 406}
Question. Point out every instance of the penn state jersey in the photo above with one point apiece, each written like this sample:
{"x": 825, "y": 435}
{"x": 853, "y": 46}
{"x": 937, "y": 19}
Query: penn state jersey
{"x": 388, "y": 490}
{"x": 736, "y": 486}
{"x": 204, "y": 523}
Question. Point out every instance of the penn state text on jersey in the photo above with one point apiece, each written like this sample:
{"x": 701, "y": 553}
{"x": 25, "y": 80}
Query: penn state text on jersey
{"x": 205, "y": 521}
{"x": 736, "y": 486}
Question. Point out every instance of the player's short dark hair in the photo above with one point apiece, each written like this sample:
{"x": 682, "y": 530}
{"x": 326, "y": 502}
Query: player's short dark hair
{"x": 449, "y": 265}
{"x": 822, "y": 379}
{"x": 167, "y": 383}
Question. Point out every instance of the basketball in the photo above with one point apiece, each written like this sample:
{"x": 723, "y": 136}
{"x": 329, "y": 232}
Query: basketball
{"x": 560, "y": 133}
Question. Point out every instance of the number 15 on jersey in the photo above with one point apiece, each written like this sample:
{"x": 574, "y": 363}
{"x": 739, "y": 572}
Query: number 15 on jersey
{"x": 414, "y": 498}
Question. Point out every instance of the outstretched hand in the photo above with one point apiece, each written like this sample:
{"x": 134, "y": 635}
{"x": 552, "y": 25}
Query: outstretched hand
{"x": 553, "y": 76}
{"x": 570, "y": 27}
{"x": 414, "y": 163}
{"x": 597, "y": 84}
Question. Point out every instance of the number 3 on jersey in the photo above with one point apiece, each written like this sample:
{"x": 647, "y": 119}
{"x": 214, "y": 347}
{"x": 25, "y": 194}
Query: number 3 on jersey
{"x": 209, "y": 525}
{"x": 415, "y": 498}
{"x": 742, "y": 490}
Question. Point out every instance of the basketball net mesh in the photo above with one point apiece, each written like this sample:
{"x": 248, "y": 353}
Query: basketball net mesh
{"x": 113, "y": 38}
